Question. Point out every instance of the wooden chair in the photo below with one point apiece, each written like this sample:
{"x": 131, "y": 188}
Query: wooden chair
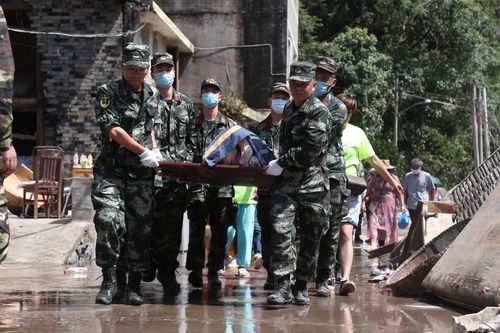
{"x": 47, "y": 180}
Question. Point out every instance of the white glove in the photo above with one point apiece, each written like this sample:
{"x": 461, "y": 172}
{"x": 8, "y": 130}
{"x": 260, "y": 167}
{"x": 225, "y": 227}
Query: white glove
{"x": 158, "y": 154}
{"x": 149, "y": 159}
{"x": 273, "y": 168}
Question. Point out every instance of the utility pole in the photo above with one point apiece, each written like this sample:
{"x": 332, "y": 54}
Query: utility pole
{"x": 396, "y": 112}
{"x": 486, "y": 125}
{"x": 129, "y": 20}
{"x": 479, "y": 120}
{"x": 475, "y": 149}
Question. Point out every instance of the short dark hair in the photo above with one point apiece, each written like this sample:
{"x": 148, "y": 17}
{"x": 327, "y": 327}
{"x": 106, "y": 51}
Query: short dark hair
{"x": 416, "y": 162}
{"x": 349, "y": 101}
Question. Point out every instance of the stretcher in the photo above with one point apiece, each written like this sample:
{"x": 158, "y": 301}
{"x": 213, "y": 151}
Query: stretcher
{"x": 218, "y": 175}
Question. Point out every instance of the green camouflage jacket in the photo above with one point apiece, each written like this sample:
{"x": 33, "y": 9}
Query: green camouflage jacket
{"x": 335, "y": 153}
{"x": 175, "y": 119}
{"x": 303, "y": 143}
{"x": 269, "y": 134}
{"x": 6, "y": 81}
{"x": 137, "y": 114}
{"x": 202, "y": 134}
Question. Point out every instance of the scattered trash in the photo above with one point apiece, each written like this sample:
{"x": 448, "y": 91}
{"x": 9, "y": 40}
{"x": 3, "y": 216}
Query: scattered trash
{"x": 404, "y": 220}
{"x": 382, "y": 271}
{"x": 487, "y": 320}
{"x": 378, "y": 279}
{"x": 81, "y": 271}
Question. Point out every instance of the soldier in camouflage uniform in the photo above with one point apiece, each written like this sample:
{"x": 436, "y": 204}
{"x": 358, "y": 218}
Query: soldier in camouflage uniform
{"x": 128, "y": 112}
{"x": 300, "y": 196}
{"x": 171, "y": 196}
{"x": 325, "y": 81}
{"x": 268, "y": 130}
{"x": 208, "y": 200}
{"x": 8, "y": 154}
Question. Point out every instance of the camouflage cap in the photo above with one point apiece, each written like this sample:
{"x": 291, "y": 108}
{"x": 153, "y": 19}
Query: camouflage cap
{"x": 136, "y": 55}
{"x": 211, "y": 82}
{"x": 279, "y": 86}
{"x": 162, "y": 58}
{"x": 302, "y": 71}
{"x": 327, "y": 64}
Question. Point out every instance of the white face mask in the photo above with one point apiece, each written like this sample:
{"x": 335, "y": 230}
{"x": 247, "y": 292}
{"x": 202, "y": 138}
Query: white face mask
{"x": 415, "y": 171}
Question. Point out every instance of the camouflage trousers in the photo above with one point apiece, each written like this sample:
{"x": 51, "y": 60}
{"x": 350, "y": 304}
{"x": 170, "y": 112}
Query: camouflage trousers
{"x": 303, "y": 216}
{"x": 166, "y": 233}
{"x": 220, "y": 212}
{"x": 330, "y": 241}
{"x": 123, "y": 219}
{"x": 4, "y": 224}
{"x": 265, "y": 221}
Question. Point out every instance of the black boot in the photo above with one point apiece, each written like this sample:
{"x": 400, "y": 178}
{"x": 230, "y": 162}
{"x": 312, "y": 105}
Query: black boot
{"x": 283, "y": 293}
{"x": 196, "y": 278}
{"x": 121, "y": 285}
{"x": 301, "y": 294}
{"x": 213, "y": 279}
{"x": 150, "y": 274}
{"x": 166, "y": 276}
{"x": 134, "y": 288}
{"x": 270, "y": 283}
{"x": 108, "y": 286}
{"x": 322, "y": 283}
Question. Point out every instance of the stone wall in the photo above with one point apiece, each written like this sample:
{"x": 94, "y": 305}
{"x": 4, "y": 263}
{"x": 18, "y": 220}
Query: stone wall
{"x": 72, "y": 68}
{"x": 265, "y": 22}
{"x": 209, "y": 23}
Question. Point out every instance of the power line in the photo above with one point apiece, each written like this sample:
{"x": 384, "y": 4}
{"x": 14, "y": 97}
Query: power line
{"x": 226, "y": 47}
{"x": 59, "y": 33}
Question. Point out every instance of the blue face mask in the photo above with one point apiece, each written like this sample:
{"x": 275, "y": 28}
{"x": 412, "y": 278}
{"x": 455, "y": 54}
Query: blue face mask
{"x": 209, "y": 99}
{"x": 165, "y": 79}
{"x": 277, "y": 105}
{"x": 321, "y": 88}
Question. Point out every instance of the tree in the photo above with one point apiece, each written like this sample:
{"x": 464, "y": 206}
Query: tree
{"x": 437, "y": 49}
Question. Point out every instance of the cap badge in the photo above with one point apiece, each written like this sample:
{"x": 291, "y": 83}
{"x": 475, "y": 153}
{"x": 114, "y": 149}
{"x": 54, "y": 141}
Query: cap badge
{"x": 136, "y": 55}
{"x": 322, "y": 62}
{"x": 298, "y": 70}
{"x": 163, "y": 58}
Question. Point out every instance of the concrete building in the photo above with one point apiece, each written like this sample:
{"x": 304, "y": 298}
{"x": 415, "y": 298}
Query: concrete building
{"x": 77, "y": 46}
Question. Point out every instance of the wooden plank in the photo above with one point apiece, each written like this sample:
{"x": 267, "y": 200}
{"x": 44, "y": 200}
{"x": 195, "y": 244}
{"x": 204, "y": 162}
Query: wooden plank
{"x": 381, "y": 250}
{"x": 445, "y": 207}
{"x": 219, "y": 175}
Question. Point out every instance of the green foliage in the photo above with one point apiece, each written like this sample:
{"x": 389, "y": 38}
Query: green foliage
{"x": 232, "y": 106}
{"x": 436, "y": 48}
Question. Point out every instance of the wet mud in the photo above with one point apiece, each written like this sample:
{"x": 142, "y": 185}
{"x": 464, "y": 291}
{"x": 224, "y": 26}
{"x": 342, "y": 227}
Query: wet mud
{"x": 44, "y": 299}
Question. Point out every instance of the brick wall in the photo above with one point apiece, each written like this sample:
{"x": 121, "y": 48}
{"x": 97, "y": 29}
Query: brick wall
{"x": 72, "y": 68}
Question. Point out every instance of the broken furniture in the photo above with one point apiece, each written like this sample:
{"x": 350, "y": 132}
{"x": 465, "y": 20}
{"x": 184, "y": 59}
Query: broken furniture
{"x": 47, "y": 181}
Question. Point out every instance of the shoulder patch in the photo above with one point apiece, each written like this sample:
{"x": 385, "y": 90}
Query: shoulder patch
{"x": 104, "y": 101}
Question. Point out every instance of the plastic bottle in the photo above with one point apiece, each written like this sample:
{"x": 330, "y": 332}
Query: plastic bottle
{"x": 90, "y": 161}
{"x": 75, "y": 158}
{"x": 75, "y": 270}
{"x": 83, "y": 160}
